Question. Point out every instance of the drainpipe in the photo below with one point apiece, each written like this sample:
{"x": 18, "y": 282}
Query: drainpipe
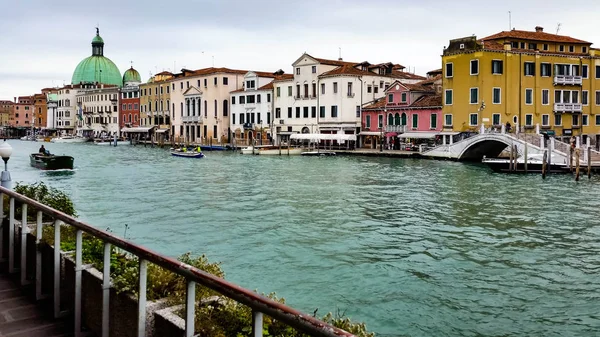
{"x": 520, "y": 90}
{"x": 360, "y": 109}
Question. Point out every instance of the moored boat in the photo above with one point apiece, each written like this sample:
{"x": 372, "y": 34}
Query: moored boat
{"x": 271, "y": 150}
{"x": 68, "y": 139}
{"x": 187, "y": 154}
{"x": 51, "y": 162}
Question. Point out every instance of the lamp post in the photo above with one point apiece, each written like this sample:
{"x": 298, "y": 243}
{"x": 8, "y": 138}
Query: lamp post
{"x": 5, "y": 152}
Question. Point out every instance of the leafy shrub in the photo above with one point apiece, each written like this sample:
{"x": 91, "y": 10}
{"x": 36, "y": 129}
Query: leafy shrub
{"x": 48, "y": 196}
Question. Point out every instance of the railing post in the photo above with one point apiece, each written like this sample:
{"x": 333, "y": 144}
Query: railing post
{"x": 57, "y": 224}
{"x": 78, "y": 270}
{"x": 106, "y": 290}
{"x": 190, "y": 307}
{"x": 38, "y": 257}
{"x": 1, "y": 227}
{"x": 257, "y": 323}
{"x": 24, "y": 232}
{"x": 11, "y": 237}
{"x": 142, "y": 298}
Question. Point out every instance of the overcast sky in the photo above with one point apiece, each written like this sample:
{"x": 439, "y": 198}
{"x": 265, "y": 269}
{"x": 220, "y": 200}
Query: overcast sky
{"x": 43, "y": 41}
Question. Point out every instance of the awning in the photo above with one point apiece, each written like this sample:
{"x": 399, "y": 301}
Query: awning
{"x": 162, "y": 130}
{"x": 137, "y": 129}
{"x": 370, "y": 133}
{"x": 419, "y": 135}
{"x": 448, "y": 133}
{"x": 323, "y": 136}
{"x": 391, "y": 134}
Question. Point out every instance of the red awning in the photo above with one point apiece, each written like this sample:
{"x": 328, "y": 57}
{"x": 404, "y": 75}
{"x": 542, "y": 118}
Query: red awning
{"x": 391, "y": 134}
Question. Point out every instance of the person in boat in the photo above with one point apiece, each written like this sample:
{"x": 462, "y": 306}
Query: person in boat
{"x": 184, "y": 149}
{"x": 198, "y": 149}
{"x": 43, "y": 151}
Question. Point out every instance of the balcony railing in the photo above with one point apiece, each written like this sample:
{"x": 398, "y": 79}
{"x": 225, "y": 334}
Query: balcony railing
{"x": 567, "y": 107}
{"x": 395, "y": 128}
{"x": 192, "y": 119}
{"x": 248, "y": 126}
{"x": 259, "y": 304}
{"x": 567, "y": 80}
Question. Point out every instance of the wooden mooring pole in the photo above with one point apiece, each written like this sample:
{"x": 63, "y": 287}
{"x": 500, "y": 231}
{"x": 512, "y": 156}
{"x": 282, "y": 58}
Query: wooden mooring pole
{"x": 544, "y": 158}
{"x": 510, "y": 160}
{"x": 571, "y": 159}
{"x": 589, "y": 162}
{"x": 525, "y": 157}
{"x": 577, "y": 165}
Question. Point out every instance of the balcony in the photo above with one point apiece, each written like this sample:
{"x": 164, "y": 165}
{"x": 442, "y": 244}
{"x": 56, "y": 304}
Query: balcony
{"x": 192, "y": 119}
{"x": 395, "y": 128}
{"x": 248, "y": 126}
{"x": 567, "y": 80}
{"x": 567, "y": 107}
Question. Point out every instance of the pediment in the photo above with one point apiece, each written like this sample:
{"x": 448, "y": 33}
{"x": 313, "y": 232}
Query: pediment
{"x": 192, "y": 91}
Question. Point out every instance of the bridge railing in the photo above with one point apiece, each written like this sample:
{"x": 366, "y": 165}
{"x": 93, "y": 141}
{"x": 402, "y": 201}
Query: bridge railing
{"x": 260, "y": 305}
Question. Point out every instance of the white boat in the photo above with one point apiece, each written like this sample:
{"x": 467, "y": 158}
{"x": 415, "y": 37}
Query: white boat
{"x": 68, "y": 139}
{"x": 29, "y": 138}
{"x": 272, "y": 150}
{"x": 319, "y": 153}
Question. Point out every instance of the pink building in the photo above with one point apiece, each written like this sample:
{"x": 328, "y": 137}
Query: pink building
{"x": 407, "y": 112}
{"x": 22, "y": 112}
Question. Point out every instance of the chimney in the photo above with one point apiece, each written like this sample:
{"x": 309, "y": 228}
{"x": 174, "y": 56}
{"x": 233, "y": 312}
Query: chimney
{"x": 539, "y": 29}
{"x": 15, "y": 99}
{"x": 507, "y": 46}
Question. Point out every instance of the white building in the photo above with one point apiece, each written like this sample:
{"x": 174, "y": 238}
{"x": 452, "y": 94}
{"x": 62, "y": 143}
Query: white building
{"x": 99, "y": 110}
{"x": 326, "y": 96}
{"x": 62, "y": 118}
{"x": 252, "y": 113}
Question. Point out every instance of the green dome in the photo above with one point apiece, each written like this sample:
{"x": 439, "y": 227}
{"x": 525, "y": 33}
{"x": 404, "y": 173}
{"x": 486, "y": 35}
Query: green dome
{"x": 97, "y": 69}
{"x": 131, "y": 75}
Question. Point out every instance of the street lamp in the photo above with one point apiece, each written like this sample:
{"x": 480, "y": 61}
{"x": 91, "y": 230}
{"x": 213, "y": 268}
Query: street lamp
{"x": 5, "y": 152}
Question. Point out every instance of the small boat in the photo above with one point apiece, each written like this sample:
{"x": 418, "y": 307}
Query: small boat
{"x": 318, "y": 153}
{"x": 534, "y": 164}
{"x": 186, "y": 154}
{"x": 51, "y": 162}
{"x": 271, "y": 150}
{"x": 110, "y": 142}
{"x": 29, "y": 138}
{"x": 68, "y": 139}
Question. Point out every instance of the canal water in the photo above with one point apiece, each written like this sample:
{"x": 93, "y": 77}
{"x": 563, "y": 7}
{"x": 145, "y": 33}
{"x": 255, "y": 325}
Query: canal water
{"x": 411, "y": 247}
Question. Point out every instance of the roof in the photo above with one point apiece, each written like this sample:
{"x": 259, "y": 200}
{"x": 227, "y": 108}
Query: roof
{"x": 427, "y": 101}
{"x": 416, "y": 87}
{"x": 534, "y": 36}
{"x": 436, "y": 71}
{"x": 334, "y": 62}
{"x": 131, "y": 75}
{"x": 430, "y": 81}
{"x": 407, "y": 75}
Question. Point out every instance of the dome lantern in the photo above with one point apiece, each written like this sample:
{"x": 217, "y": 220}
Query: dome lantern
{"x": 97, "y": 44}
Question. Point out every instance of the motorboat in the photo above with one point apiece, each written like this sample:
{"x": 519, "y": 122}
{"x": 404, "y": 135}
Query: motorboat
{"x": 29, "y": 138}
{"x": 68, "y": 139}
{"x": 47, "y": 161}
{"x": 272, "y": 150}
{"x": 107, "y": 141}
{"x": 534, "y": 164}
{"x": 187, "y": 154}
{"x": 318, "y": 153}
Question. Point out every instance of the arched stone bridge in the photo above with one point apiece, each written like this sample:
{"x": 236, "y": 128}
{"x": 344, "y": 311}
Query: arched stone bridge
{"x": 489, "y": 145}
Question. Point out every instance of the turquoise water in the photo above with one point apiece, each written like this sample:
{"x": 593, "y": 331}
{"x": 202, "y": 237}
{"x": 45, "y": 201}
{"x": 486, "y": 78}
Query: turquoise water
{"x": 411, "y": 247}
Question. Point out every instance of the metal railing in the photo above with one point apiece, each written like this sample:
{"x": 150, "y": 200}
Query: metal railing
{"x": 568, "y": 80}
{"x": 260, "y": 305}
{"x": 567, "y": 107}
{"x": 192, "y": 119}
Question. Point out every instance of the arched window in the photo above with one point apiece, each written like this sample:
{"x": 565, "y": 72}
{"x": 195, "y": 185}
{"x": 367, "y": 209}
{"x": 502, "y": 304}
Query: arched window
{"x": 403, "y": 118}
{"x": 390, "y": 119}
{"x": 205, "y": 110}
{"x": 129, "y": 118}
{"x": 397, "y": 119}
{"x": 225, "y": 108}
{"x": 215, "y": 108}
{"x": 181, "y": 105}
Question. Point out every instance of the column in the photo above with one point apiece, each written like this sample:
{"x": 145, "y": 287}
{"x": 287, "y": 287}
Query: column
{"x": 542, "y": 142}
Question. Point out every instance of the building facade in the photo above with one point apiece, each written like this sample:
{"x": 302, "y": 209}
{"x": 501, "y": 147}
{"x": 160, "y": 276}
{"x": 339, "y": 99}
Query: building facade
{"x": 129, "y": 99}
{"x": 23, "y": 112}
{"x": 155, "y": 105}
{"x": 528, "y": 79}
{"x": 61, "y": 116}
{"x": 99, "y": 111}
{"x": 6, "y": 108}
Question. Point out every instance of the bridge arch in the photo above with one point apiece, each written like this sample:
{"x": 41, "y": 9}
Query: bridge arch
{"x": 490, "y": 146}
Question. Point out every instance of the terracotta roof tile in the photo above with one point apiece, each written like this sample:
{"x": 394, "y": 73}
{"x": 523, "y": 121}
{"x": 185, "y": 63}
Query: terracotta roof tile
{"x": 335, "y": 62}
{"x": 430, "y": 81}
{"x": 417, "y": 87}
{"x": 427, "y": 101}
{"x": 407, "y": 76}
{"x": 377, "y": 104}
{"x": 533, "y": 36}
{"x": 495, "y": 45}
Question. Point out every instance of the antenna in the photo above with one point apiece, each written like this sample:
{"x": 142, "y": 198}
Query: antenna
{"x": 509, "y": 21}
{"x": 213, "y": 59}
{"x": 340, "y": 53}
{"x": 558, "y": 28}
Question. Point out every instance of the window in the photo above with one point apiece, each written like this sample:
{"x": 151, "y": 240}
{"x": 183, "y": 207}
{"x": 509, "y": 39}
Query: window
{"x": 533, "y": 46}
{"x": 129, "y": 106}
{"x": 258, "y": 98}
{"x": 545, "y": 47}
{"x": 575, "y": 119}
{"x": 597, "y": 71}
{"x": 289, "y": 112}
{"x": 473, "y": 119}
{"x": 571, "y": 49}
{"x": 474, "y": 67}
{"x": 390, "y": 98}
{"x": 449, "y": 70}
{"x": 268, "y": 98}
{"x": 205, "y": 84}
{"x": 448, "y": 97}
{"x": 380, "y": 121}
{"x": 496, "y": 97}
{"x": 597, "y": 97}
{"x": 278, "y": 91}
{"x": 575, "y": 70}
{"x": 232, "y": 100}
{"x": 305, "y": 115}
{"x": 313, "y": 112}
{"x": 314, "y": 90}
{"x": 375, "y": 89}
{"x": 514, "y": 44}
{"x": 597, "y": 119}
{"x": 369, "y": 88}
{"x": 289, "y": 90}
{"x": 297, "y": 112}
{"x": 584, "y": 50}
{"x": 314, "y": 69}
{"x": 232, "y": 118}
{"x": 368, "y": 121}
{"x": 561, "y": 48}
{"x": 335, "y": 87}
{"x": 545, "y": 96}
{"x": 321, "y": 112}
{"x": 415, "y": 121}
{"x": 584, "y": 97}
{"x": 474, "y": 96}
{"x": 277, "y": 112}
{"x": 497, "y": 67}
{"x": 215, "y": 81}
{"x": 358, "y": 111}
{"x": 215, "y": 108}
{"x": 225, "y": 81}
{"x": 529, "y": 96}
{"x": 545, "y": 69}
{"x": 448, "y": 120}
{"x": 403, "y": 97}
{"x": 350, "y": 89}
{"x": 433, "y": 122}
{"x": 522, "y": 45}
{"x": 242, "y": 99}
{"x": 124, "y": 107}
{"x": 557, "y": 119}
{"x": 529, "y": 120}
{"x": 585, "y": 120}
{"x": 529, "y": 69}
{"x": 250, "y": 84}
{"x": 495, "y": 119}
{"x": 297, "y": 90}
{"x": 322, "y": 88}
{"x": 334, "y": 111}
{"x": 584, "y": 71}
{"x": 297, "y": 71}
{"x": 545, "y": 120}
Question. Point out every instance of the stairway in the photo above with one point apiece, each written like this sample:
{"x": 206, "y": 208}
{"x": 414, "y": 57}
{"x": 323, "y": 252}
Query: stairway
{"x": 21, "y": 316}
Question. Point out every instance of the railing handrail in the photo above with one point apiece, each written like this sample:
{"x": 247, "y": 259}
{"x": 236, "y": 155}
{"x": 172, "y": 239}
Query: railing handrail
{"x": 282, "y": 312}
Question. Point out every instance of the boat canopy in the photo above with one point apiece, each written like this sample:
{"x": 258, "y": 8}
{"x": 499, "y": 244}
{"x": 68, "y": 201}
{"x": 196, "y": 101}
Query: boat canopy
{"x": 137, "y": 129}
{"x": 419, "y": 135}
{"x": 323, "y": 136}
{"x": 162, "y": 130}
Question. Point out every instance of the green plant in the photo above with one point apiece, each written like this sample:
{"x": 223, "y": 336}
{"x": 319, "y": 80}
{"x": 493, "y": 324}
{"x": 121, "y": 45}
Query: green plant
{"x": 48, "y": 196}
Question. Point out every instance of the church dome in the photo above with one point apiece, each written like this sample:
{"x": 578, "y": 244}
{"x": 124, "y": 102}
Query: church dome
{"x": 97, "y": 68}
{"x": 131, "y": 76}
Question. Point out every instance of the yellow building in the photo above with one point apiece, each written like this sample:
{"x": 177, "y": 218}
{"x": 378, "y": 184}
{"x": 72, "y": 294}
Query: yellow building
{"x": 155, "y": 101}
{"x": 525, "y": 78}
